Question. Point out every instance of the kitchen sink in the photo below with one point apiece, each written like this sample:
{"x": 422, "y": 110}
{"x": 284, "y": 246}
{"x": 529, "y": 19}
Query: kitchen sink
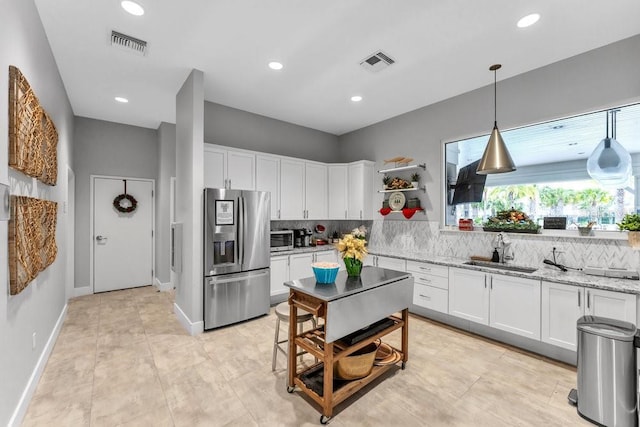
{"x": 499, "y": 266}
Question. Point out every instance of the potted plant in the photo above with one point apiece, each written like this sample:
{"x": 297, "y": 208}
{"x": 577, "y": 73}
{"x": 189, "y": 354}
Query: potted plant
{"x": 386, "y": 180}
{"x": 631, "y": 223}
{"x": 415, "y": 177}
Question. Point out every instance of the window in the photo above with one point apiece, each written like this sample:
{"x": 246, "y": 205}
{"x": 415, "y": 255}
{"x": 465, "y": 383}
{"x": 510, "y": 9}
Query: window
{"x": 551, "y": 177}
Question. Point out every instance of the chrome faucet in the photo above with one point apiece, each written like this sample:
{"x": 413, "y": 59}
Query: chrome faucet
{"x": 503, "y": 243}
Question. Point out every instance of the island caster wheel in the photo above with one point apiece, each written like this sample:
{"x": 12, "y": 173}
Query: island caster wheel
{"x": 290, "y": 389}
{"x": 404, "y": 365}
{"x": 324, "y": 420}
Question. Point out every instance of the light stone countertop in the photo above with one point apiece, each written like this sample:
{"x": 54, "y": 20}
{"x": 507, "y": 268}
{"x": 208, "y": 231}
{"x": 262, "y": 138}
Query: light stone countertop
{"x": 544, "y": 272}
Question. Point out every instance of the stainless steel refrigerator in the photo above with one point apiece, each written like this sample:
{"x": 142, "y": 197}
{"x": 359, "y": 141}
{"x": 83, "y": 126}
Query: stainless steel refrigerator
{"x": 236, "y": 255}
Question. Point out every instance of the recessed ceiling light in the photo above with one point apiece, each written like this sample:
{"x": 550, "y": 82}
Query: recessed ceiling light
{"x": 121, "y": 99}
{"x": 356, "y": 98}
{"x": 275, "y": 65}
{"x": 528, "y": 20}
{"x": 132, "y": 7}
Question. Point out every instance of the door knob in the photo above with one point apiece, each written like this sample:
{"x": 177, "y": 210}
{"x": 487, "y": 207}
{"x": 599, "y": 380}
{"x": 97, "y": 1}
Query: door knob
{"x": 100, "y": 238}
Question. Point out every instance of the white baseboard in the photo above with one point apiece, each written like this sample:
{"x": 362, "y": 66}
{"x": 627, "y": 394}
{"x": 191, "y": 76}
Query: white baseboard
{"x": 21, "y": 410}
{"x": 194, "y": 328}
{"x": 79, "y": 292}
{"x": 162, "y": 287}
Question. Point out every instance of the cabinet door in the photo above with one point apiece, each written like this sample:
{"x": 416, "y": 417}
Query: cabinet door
{"x": 360, "y": 195}
{"x": 316, "y": 191}
{"x": 338, "y": 184}
{"x": 279, "y": 274}
{"x": 391, "y": 263}
{"x": 326, "y": 256}
{"x": 368, "y": 260}
{"x": 514, "y": 305}
{"x": 469, "y": 295}
{"x": 616, "y": 305}
{"x": 241, "y": 170}
{"x": 268, "y": 179}
{"x": 300, "y": 266}
{"x": 215, "y": 173}
{"x": 291, "y": 189}
{"x": 562, "y": 306}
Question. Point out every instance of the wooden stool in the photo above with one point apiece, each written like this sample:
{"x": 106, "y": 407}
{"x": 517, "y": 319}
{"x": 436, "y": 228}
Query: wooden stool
{"x": 282, "y": 313}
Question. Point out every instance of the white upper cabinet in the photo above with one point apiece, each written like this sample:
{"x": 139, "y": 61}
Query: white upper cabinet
{"x": 292, "y": 187}
{"x": 229, "y": 168}
{"x": 215, "y": 163}
{"x": 360, "y": 190}
{"x": 315, "y": 191}
{"x": 338, "y": 185}
{"x": 241, "y": 169}
{"x": 268, "y": 179}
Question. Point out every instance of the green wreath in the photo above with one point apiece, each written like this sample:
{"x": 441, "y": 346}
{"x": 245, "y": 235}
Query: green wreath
{"x": 117, "y": 203}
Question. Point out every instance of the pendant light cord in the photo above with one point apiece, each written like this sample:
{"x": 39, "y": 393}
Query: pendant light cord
{"x": 495, "y": 98}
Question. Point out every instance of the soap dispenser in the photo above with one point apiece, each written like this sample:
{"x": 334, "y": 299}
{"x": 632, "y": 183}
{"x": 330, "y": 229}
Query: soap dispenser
{"x": 496, "y": 256}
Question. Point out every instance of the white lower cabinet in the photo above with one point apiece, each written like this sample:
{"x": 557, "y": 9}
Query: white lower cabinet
{"x": 563, "y": 305}
{"x": 300, "y": 266}
{"x": 279, "y": 274}
{"x": 430, "y": 285}
{"x": 503, "y": 302}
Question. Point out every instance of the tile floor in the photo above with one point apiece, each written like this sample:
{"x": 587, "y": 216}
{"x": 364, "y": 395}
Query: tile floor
{"x": 123, "y": 359}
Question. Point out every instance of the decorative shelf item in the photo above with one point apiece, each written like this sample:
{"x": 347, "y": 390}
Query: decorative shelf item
{"x": 422, "y": 166}
{"x": 407, "y": 212}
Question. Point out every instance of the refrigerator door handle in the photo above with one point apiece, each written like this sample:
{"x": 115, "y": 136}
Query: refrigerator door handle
{"x": 242, "y": 219}
{"x": 234, "y": 277}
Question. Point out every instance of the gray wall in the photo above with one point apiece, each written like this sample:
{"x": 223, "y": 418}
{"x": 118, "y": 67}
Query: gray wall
{"x": 598, "y": 79}
{"x": 241, "y": 129}
{"x": 166, "y": 170}
{"x": 189, "y": 185}
{"x": 106, "y": 148}
{"x": 36, "y": 309}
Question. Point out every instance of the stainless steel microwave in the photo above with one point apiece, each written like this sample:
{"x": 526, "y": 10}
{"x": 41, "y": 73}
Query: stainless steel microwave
{"x": 281, "y": 240}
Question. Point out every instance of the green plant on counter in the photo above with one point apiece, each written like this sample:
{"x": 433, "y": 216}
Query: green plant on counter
{"x": 630, "y": 222}
{"x": 415, "y": 177}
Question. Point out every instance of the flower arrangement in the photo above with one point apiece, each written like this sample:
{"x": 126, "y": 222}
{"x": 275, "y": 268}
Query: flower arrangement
{"x": 353, "y": 249}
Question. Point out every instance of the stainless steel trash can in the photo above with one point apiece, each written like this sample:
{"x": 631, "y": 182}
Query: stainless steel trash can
{"x": 607, "y": 371}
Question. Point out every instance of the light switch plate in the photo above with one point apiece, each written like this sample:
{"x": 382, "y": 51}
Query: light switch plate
{"x": 5, "y": 203}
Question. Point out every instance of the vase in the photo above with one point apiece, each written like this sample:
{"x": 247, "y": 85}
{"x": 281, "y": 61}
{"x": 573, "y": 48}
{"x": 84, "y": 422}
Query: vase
{"x": 353, "y": 266}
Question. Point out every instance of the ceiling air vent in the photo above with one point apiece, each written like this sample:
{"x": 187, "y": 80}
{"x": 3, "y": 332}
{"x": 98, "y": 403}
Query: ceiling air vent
{"x": 128, "y": 43}
{"x": 377, "y": 61}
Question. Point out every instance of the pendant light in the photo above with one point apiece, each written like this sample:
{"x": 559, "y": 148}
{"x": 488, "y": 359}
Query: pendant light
{"x": 496, "y": 157}
{"x": 610, "y": 163}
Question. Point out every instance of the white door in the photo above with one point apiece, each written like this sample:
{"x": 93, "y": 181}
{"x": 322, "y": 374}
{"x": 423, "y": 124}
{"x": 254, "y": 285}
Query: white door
{"x": 615, "y": 305}
{"x": 268, "y": 179}
{"x": 291, "y": 189}
{"x": 562, "y": 306}
{"x": 279, "y": 274}
{"x": 391, "y": 263}
{"x": 338, "y": 185}
{"x": 515, "y": 305}
{"x": 122, "y": 242}
{"x": 316, "y": 191}
{"x": 215, "y": 162}
{"x": 300, "y": 266}
{"x": 469, "y": 295}
{"x": 241, "y": 170}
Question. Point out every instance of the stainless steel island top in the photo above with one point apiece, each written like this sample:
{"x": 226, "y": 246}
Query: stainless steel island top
{"x": 353, "y": 303}
{"x": 370, "y": 277}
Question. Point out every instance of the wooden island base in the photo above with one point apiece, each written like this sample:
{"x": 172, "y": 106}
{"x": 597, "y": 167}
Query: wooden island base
{"x": 318, "y": 381}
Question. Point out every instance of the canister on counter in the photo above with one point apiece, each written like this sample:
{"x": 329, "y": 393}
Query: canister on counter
{"x": 465, "y": 224}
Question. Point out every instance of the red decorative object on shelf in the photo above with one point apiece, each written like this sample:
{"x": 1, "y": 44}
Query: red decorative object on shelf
{"x": 465, "y": 224}
{"x": 385, "y": 211}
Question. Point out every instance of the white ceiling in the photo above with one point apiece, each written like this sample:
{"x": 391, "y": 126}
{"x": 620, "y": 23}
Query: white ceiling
{"x": 442, "y": 49}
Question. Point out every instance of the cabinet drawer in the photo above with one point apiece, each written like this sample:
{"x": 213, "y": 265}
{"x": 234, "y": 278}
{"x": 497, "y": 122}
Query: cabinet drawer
{"x": 429, "y": 297}
{"x": 426, "y": 268}
{"x": 430, "y": 280}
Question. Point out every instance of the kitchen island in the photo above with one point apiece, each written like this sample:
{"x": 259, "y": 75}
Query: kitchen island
{"x": 364, "y": 306}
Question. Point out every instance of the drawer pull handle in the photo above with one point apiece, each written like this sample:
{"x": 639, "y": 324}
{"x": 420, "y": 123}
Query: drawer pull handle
{"x": 425, "y": 268}
{"x": 427, "y": 297}
{"x": 424, "y": 279}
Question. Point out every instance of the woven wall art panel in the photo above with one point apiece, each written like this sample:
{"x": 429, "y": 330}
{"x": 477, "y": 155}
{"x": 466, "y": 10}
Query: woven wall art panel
{"x": 33, "y": 138}
{"x": 32, "y": 240}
